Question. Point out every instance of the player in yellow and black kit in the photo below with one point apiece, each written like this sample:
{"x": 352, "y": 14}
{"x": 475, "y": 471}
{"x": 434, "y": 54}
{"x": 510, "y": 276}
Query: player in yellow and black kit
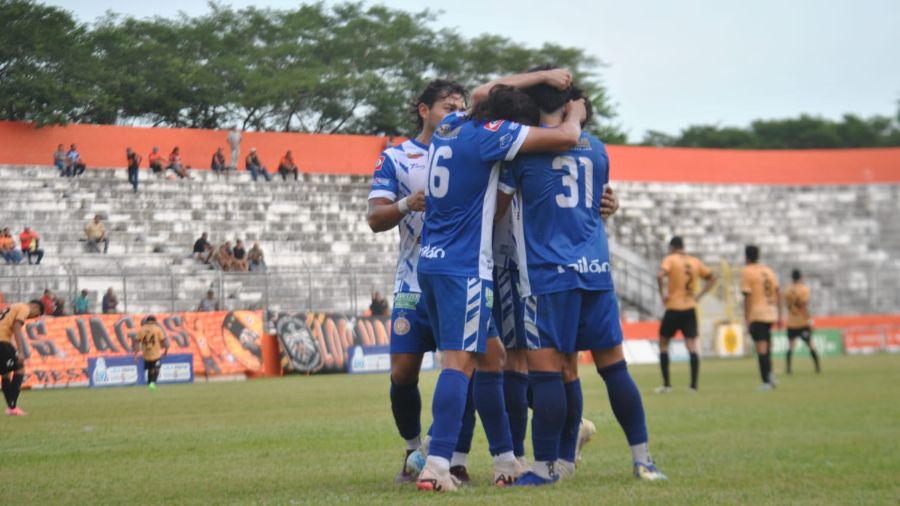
{"x": 677, "y": 277}
{"x": 152, "y": 342}
{"x": 762, "y": 309}
{"x": 799, "y": 324}
{"x": 12, "y": 319}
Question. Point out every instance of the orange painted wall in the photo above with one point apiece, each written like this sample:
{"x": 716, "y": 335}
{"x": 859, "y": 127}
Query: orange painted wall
{"x": 104, "y": 146}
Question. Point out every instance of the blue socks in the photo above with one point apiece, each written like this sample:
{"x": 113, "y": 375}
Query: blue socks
{"x": 574, "y": 407}
{"x": 464, "y": 443}
{"x": 625, "y": 400}
{"x": 515, "y": 394}
{"x": 549, "y": 414}
{"x": 447, "y": 411}
{"x": 406, "y": 404}
{"x": 489, "y": 401}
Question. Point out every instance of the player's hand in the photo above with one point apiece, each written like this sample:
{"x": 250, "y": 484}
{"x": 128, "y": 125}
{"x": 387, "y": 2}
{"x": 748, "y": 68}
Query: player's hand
{"x": 416, "y": 201}
{"x": 560, "y": 79}
{"x": 576, "y": 109}
{"x": 609, "y": 203}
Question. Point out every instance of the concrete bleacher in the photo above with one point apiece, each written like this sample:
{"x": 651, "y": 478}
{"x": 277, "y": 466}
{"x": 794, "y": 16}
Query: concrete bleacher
{"x": 322, "y": 255}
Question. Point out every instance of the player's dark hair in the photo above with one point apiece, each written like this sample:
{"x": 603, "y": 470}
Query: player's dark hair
{"x": 506, "y": 102}
{"x": 148, "y": 319}
{"x": 796, "y": 275}
{"x": 751, "y": 252}
{"x": 550, "y": 99}
{"x": 39, "y": 304}
{"x": 436, "y": 90}
{"x": 677, "y": 242}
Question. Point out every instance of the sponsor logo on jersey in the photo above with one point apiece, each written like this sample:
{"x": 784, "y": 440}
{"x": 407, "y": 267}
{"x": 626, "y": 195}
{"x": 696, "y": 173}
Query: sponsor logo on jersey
{"x": 381, "y": 181}
{"x": 583, "y": 266}
{"x": 379, "y": 162}
{"x": 583, "y": 144}
{"x": 432, "y": 252}
{"x": 401, "y": 325}
{"x": 505, "y": 141}
{"x": 406, "y": 300}
{"x": 489, "y": 297}
{"x": 413, "y": 156}
{"x": 493, "y": 126}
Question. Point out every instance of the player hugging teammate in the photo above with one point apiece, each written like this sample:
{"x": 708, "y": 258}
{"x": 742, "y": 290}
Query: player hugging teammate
{"x": 445, "y": 289}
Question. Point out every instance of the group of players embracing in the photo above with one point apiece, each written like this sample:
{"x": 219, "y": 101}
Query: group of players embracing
{"x": 504, "y": 268}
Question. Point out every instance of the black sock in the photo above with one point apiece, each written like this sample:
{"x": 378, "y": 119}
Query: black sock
{"x": 6, "y": 383}
{"x": 695, "y": 369}
{"x": 790, "y": 353}
{"x": 12, "y": 392}
{"x": 664, "y": 365}
{"x": 153, "y": 374}
{"x": 815, "y": 357}
{"x": 764, "y": 367}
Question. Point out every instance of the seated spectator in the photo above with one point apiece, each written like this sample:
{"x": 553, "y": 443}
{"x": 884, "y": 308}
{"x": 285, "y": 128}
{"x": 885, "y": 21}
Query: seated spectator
{"x": 59, "y": 306}
{"x": 8, "y": 250}
{"x": 95, "y": 233}
{"x": 71, "y": 157}
{"x": 208, "y": 303}
{"x": 175, "y": 164}
{"x": 110, "y": 302}
{"x": 287, "y": 166}
{"x": 218, "y": 164}
{"x": 203, "y": 250}
{"x": 59, "y": 159}
{"x": 255, "y": 167}
{"x": 240, "y": 256}
{"x": 379, "y": 305}
{"x": 256, "y": 258}
{"x": 81, "y": 304}
{"x": 30, "y": 240}
{"x": 156, "y": 161}
{"x": 225, "y": 257}
{"x": 49, "y": 302}
{"x": 79, "y": 167}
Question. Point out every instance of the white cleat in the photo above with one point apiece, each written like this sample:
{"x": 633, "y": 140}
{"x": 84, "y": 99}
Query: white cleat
{"x": 765, "y": 387}
{"x": 433, "y": 479}
{"x": 565, "y": 469}
{"x": 648, "y": 472}
{"x": 586, "y": 431}
{"x": 663, "y": 389}
{"x": 507, "y": 472}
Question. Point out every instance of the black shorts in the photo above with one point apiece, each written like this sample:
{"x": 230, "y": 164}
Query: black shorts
{"x": 761, "y": 331}
{"x": 673, "y": 321}
{"x": 9, "y": 358}
{"x": 804, "y": 333}
{"x": 151, "y": 364}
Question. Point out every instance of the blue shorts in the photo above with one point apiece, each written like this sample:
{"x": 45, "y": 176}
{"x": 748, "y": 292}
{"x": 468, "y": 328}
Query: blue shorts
{"x": 509, "y": 312}
{"x": 573, "y": 320}
{"x": 410, "y": 330}
{"x": 459, "y": 309}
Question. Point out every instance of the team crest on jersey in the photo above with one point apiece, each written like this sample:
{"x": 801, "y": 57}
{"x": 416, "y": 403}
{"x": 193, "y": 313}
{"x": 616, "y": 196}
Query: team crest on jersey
{"x": 489, "y": 297}
{"x": 401, "y": 325}
{"x": 583, "y": 144}
{"x": 493, "y": 126}
{"x": 505, "y": 141}
{"x": 379, "y": 162}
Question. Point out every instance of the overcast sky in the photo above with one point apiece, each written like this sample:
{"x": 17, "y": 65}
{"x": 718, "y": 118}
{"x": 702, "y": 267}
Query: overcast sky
{"x": 673, "y": 64}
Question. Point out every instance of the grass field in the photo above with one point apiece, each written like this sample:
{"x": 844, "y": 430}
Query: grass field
{"x": 829, "y": 439}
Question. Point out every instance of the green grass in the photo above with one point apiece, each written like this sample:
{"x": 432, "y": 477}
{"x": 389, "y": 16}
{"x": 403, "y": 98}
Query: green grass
{"x": 829, "y": 439}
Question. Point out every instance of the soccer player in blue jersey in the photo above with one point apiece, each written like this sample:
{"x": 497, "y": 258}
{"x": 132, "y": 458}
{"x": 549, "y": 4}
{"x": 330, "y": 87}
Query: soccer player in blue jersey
{"x": 456, "y": 257}
{"x": 570, "y": 302}
{"x": 397, "y": 199}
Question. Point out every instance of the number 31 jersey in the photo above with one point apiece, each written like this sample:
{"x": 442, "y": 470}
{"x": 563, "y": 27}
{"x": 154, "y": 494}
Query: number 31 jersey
{"x": 561, "y": 240}
{"x": 464, "y": 170}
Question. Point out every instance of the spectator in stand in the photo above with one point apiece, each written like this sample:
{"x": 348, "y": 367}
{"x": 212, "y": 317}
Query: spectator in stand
{"x": 208, "y": 303}
{"x": 49, "y": 302}
{"x": 71, "y": 157}
{"x": 81, "y": 304}
{"x": 79, "y": 168}
{"x": 175, "y": 164}
{"x": 95, "y": 233}
{"x": 256, "y": 258}
{"x": 59, "y": 306}
{"x": 287, "y": 166}
{"x": 110, "y": 302}
{"x": 240, "y": 256}
{"x": 379, "y": 305}
{"x": 225, "y": 257}
{"x": 59, "y": 159}
{"x": 203, "y": 250}
{"x": 134, "y": 162}
{"x": 234, "y": 142}
{"x": 218, "y": 165}
{"x": 8, "y": 249}
{"x": 156, "y": 161}
{"x": 30, "y": 242}
{"x": 255, "y": 167}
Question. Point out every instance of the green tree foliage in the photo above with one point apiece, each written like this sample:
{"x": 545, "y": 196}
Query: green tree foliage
{"x": 805, "y": 132}
{"x": 348, "y": 68}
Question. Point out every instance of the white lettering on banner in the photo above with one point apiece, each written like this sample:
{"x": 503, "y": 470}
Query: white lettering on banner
{"x": 583, "y": 266}
{"x": 431, "y": 252}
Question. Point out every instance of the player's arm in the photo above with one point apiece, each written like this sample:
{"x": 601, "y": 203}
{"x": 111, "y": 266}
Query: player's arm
{"x": 18, "y": 332}
{"x": 164, "y": 342}
{"x": 609, "y": 203}
{"x": 558, "y": 78}
{"x": 747, "y": 308}
{"x": 559, "y": 139}
{"x": 136, "y": 345}
{"x": 708, "y": 283}
{"x": 385, "y": 214}
{"x": 503, "y": 201}
{"x": 780, "y": 303}
{"x": 661, "y": 278}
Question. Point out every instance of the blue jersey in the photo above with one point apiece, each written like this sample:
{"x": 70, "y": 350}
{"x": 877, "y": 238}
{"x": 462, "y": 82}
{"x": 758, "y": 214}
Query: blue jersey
{"x": 561, "y": 240}
{"x": 464, "y": 170}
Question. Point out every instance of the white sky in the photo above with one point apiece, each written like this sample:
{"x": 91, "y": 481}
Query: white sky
{"x": 674, "y": 64}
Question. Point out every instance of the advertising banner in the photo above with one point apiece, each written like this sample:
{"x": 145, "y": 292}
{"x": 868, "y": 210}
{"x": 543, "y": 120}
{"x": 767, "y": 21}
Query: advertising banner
{"x": 730, "y": 340}
{"x": 58, "y": 351}
{"x": 119, "y": 371}
{"x": 864, "y": 340}
{"x": 828, "y": 342}
{"x": 367, "y": 359}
